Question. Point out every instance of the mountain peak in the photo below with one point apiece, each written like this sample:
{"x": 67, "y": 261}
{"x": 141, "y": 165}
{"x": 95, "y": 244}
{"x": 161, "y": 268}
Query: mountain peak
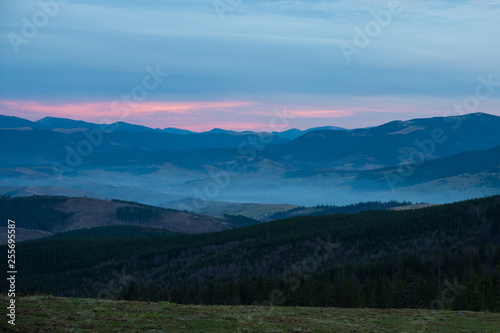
{"x": 48, "y": 119}
{"x": 220, "y": 130}
{"x": 14, "y": 122}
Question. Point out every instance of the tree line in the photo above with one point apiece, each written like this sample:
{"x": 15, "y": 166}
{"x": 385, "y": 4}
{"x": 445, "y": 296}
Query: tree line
{"x": 442, "y": 257}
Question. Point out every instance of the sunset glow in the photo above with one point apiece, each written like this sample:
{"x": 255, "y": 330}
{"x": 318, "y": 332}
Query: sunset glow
{"x": 178, "y": 64}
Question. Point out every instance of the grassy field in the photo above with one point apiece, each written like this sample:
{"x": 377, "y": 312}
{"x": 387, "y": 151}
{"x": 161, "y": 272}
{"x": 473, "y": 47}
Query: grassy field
{"x": 53, "y": 314}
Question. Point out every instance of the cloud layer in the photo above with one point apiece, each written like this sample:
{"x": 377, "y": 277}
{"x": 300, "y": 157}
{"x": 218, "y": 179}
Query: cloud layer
{"x": 85, "y": 55}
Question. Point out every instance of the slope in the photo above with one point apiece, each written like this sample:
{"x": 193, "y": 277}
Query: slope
{"x": 374, "y": 259}
{"x": 59, "y": 214}
{"x": 391, "y": 143}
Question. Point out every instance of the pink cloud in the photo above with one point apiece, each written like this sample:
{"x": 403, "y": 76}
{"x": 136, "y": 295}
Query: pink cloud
{"x": 313, "y": 113}
{"x": 241, "y": 114}
{"x": 196, "y": 116}
{"x": 112, "y": 111}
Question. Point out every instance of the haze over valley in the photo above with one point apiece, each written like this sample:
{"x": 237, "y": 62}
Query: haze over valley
{"x": 434, "y": 160}
{"x": 250, "y": 166}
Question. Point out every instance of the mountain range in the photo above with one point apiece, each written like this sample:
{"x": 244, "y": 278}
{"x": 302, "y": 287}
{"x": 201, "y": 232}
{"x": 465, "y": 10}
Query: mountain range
{"x": 54, "y": 123}
{"x": 224, "y": 217}
{"x": 434, "y": 160}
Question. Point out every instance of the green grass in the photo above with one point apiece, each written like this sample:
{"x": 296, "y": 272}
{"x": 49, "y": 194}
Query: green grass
{"x": 54, "y": 314}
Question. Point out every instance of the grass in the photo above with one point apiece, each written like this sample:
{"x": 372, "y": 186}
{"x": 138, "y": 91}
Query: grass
{"x": 60, "y": 314}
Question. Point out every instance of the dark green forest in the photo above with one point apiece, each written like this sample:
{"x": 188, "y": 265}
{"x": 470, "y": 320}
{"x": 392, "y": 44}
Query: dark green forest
{"x": 113, "y": 232}
{"x": 332, "y": 209}
{"x": 442, "y": 257}
{"x": 35, "y": 212}
{"x": 137, "y": 214}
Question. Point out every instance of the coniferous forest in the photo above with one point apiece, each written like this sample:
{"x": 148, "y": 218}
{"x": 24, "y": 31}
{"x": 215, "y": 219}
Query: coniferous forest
{"x": 442, "y": 257}
{"x": 250, "y": 166}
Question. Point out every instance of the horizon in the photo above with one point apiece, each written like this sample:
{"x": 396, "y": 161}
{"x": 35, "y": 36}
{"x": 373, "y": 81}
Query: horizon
{"x": 239, "y": 131}
{"x": 184, "y": 157}
{"x": 196, "y": 66}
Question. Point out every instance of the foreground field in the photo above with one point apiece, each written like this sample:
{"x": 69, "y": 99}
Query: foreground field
{"x": 53, "y": 314}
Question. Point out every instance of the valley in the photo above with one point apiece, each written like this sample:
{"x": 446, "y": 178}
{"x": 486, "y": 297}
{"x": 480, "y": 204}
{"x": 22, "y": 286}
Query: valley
{"x": 330, "y": 221}
{"x": 250, "y": 166}
{"x": 326, "y": 167}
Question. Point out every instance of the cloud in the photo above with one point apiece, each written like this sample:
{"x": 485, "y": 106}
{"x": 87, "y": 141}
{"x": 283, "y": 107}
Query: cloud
{"x": 270, "y": 52}
{"x": 95, "y": 110}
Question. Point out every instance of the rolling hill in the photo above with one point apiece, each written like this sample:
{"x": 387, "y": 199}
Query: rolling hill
{"x": 391, "y": 143}
{"x": 328, "y": 167}
{"x": 382, "y": 259}
{"x": 483, "y": 162}
{"x": 358, "y": 149}
{"x": 42, "y": 216}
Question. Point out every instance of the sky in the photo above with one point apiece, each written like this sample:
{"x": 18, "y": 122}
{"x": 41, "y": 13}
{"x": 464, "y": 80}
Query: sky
{"x": 248, "y": 64}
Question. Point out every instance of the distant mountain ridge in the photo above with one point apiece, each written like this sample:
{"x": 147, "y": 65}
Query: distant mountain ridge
{"x": 482, "y": 162}
{"x": 14, "y": 122}
{"x": 359, "y": 149}
{"x": 330, "y": 167}
{"x": 391, "y": 143}
{"x": 49, "y": 123}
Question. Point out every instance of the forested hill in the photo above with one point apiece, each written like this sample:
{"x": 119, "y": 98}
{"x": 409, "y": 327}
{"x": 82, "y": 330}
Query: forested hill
{"x": 55, "y": 214}
{"x": 332, "y": 209}
{"x": 439, "y": 257}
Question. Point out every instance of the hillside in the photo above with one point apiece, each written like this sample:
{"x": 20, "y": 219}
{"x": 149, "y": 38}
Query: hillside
{"x": 51, "y": 314}
{"x": 321, "y": 166}
{"x": 38, "y": 216}
{"x": 14, "y": 122}
{"x": 51, "y": 123}
{"x": 332, "y": 209}
{"x": 39, "y": 146}
{"x": 359, "y": 149}
{"x": 482, "y": 162}
{"x": 384, "y": 145}
{"x": 113, "y": 232}
{"x": 383, "y": 259}
{"x": 257, "y": 211}
{"x": 268, "y": 212}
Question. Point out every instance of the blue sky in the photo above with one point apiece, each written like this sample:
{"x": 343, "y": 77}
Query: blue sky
{"x": 237, "y": 69}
